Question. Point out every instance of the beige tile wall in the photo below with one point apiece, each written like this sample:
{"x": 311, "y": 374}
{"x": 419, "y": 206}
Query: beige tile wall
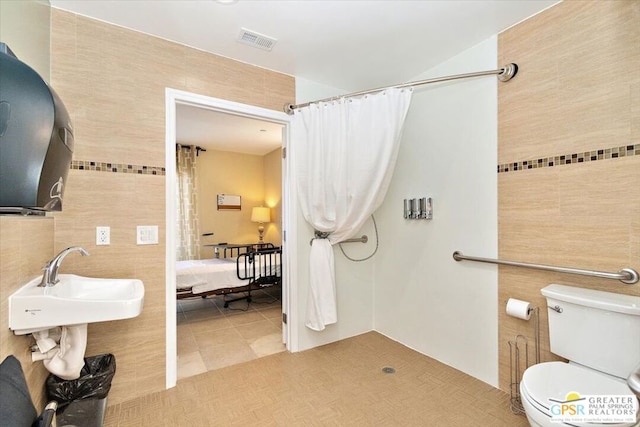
{"x": 26, "y": 244}
{"x": 113, "y": 83}
{"x": 577, "y": 89}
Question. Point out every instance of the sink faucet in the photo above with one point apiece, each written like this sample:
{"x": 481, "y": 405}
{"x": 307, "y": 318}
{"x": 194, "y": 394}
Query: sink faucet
{"x": 50, "y": 275}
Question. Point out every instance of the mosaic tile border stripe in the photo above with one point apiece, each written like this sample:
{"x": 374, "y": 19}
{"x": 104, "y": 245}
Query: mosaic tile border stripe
{"x": 116, "y": 167}
{"x": 587, "y": 156}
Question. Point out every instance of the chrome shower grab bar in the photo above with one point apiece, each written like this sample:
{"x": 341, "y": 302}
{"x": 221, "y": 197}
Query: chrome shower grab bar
{"x": 628, "y": 276}
{"x": 363, "y": 239}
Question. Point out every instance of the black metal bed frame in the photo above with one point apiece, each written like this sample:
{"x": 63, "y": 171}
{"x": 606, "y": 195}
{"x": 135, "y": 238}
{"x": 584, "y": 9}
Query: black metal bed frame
{"x": 261, "y": 275}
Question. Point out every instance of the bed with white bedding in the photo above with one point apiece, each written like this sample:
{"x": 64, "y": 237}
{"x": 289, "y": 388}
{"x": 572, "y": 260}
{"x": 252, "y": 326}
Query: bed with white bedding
{"x": 222, "y": 276}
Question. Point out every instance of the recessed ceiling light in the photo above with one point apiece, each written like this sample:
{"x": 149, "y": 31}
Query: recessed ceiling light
{"x": 226, "y": 1}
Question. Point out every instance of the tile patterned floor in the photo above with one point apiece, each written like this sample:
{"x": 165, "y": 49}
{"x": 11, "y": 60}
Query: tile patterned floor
{"x": 212, "y": 337}
{"x": 339, "y": 384}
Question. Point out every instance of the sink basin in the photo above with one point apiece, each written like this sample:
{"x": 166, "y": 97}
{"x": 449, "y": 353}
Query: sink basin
{"x": 73, "y": 300}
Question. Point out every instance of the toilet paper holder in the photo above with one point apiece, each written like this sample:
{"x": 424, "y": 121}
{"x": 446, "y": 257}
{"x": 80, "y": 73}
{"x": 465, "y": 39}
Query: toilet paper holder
{"x": 516, "y": 346}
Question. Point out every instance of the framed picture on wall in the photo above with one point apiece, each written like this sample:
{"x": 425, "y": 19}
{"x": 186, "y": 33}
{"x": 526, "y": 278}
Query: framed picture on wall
{"x": 229, "y": 202}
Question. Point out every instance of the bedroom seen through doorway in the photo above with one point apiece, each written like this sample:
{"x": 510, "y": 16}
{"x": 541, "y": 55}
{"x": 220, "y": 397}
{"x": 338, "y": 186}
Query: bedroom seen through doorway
{"x": 229, "y": 184}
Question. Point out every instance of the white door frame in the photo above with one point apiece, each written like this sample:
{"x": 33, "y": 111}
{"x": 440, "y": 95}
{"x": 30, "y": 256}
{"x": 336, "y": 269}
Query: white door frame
{"x": 174, "y": 97}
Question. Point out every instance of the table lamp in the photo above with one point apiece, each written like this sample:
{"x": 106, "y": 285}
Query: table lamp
{"x": 261, "y": 215}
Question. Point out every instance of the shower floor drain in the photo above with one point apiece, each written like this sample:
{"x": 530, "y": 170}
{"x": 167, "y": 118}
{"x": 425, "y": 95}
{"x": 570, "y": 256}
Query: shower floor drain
{"x": 388, "y": 370}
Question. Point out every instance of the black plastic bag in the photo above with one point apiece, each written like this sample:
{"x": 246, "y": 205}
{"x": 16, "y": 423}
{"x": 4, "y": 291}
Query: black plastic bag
{"x": 94, "y": 381}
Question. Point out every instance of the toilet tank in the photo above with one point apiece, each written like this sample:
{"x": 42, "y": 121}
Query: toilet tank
{"x": 600, "y": 330}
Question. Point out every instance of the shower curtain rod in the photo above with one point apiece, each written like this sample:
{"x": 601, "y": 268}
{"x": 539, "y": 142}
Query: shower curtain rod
{"x": 504, "y": 74}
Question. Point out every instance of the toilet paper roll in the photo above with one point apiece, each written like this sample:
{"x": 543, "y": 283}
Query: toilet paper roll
{"x": 518, "y": 308}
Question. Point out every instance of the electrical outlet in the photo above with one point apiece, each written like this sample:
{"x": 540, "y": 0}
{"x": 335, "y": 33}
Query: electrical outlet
{"x": 103, "y": 236}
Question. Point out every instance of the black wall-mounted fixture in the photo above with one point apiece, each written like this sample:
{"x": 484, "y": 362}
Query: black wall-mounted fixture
{"x": 36, "y": 140}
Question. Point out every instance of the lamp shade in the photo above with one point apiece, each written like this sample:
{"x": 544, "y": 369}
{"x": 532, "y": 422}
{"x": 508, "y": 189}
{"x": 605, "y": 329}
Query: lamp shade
{"x": 261, "y": 214}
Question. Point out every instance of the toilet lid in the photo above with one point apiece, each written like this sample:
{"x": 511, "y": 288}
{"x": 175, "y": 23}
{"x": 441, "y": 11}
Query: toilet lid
{"x": 554, "y": 380}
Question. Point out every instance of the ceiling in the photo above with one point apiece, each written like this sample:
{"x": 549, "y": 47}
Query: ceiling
{"x": 350, "y": 45}
{"x": 225, "y": 132}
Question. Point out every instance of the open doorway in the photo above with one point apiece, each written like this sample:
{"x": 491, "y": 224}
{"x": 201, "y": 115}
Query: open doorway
{"x": 229, "y": 113}
{"x": 233, "y": 202}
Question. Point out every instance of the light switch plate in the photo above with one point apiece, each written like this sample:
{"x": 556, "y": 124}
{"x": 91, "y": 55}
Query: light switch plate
{"x": 147, "y": 235}
{"x": 103, "y": 236}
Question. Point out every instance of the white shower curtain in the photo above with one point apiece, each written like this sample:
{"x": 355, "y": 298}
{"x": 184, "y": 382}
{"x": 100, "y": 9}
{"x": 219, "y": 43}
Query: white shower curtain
{"x": 343, "y": 156}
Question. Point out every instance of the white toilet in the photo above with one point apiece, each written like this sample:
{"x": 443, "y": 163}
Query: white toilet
{"x": 599, "y": 333}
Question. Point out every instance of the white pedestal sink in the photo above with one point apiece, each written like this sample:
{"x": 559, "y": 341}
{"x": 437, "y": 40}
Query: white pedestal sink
{"x": 74, "y": 300}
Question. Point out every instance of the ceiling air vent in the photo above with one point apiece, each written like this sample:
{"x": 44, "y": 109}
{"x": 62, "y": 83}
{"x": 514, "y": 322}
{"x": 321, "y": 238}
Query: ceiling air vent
{"x": 257, "y": 40}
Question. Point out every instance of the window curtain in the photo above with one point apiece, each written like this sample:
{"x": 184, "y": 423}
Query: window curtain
{"x": 188, "y": 234}
{"x": 343, "y": 156}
